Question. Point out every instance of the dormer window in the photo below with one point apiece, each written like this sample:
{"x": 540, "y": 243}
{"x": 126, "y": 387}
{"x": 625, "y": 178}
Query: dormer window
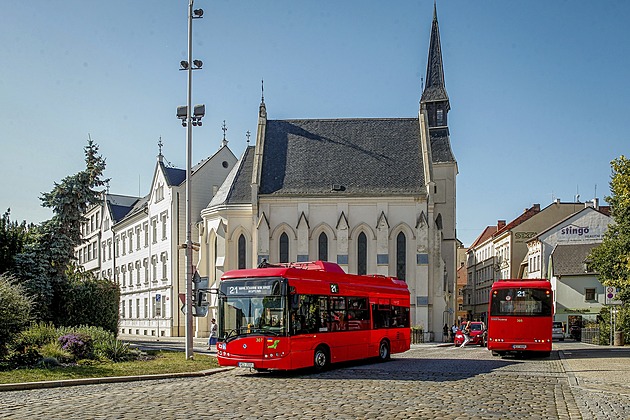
{"x": 440, "y": 116}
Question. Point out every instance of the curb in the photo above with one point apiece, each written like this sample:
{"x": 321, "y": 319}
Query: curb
{"x": 107, "y": 380}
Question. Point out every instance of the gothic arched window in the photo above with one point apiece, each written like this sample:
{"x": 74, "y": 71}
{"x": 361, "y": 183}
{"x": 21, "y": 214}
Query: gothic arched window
{"x": 284, "y": 248}
{"x": 322, "y": 247}
{"x": 241, "y": 252}
{"x": 401, "y": 256}
{"x": 362, "y": 254}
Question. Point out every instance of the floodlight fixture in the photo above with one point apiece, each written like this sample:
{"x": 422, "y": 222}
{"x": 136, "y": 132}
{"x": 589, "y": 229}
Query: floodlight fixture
{"x": 197, "y": 13}
{"x": 198, "y": 64}
{"x": 183, "y": 65}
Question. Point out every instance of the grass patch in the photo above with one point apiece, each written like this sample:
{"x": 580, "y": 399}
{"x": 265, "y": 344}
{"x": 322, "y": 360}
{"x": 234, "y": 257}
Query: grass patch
{"x": 159, "y": 362}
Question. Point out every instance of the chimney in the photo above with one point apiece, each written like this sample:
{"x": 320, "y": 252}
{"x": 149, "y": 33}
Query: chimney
{"x": 500, "y": 224}
{"x": 536, "y": 207}
{"x": 596, "y": 203}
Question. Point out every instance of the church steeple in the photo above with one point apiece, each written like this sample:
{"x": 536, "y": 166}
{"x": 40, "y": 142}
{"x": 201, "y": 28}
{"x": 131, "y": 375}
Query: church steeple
{"x": 434, "y": 96}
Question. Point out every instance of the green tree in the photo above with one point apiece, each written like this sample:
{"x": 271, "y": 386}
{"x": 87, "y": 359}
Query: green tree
{"x": 43, "y": 265}
{"x": 15, "y": 307}
{"x": 13, "y": 238}
{"x": 611, "y": 259}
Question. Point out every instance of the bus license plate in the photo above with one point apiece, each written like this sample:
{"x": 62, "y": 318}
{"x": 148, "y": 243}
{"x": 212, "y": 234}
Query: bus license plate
{"x": 245, "y": 364}
{"x": 519, "y": 346}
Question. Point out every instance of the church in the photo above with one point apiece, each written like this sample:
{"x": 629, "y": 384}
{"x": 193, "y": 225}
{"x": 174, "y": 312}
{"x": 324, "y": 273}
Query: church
{"x": 375, "y": 196}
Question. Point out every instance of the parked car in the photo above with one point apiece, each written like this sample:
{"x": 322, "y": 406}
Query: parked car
{"x": 477, "y": 334}
{"x": 557, "y": 331}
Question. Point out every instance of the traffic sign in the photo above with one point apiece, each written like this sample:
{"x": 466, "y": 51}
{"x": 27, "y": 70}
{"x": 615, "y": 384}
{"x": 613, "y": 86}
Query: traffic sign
{"x": 611, "y": 296}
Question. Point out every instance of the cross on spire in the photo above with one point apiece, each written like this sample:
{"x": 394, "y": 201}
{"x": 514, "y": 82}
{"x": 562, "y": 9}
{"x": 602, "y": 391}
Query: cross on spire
{"x": 160, "y": 144}
{"x": 248, "y": 134}
{"x": 224, "y": 128}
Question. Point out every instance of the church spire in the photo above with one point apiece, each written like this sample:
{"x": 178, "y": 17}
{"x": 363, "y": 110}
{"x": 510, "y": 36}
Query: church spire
{"x": 434, "y": 89}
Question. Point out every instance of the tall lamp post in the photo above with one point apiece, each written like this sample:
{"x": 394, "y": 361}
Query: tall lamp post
{"x": 189, "y": 119}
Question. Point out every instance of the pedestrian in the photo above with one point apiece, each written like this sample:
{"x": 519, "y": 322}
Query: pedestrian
{"x": 466, "y": 333}
{"x": 453, "y": 332}
{"x": 445, "y": 333}
{"x": 212, "y": 340}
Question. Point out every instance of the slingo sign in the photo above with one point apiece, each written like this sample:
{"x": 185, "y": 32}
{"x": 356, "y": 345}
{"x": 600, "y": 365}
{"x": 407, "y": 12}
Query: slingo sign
{"x": 578, "y": 233}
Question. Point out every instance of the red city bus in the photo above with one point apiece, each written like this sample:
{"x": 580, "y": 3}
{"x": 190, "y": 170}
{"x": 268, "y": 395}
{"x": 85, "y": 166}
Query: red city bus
{"x": 309, "y": 314}
{"x": 520, "y": 316}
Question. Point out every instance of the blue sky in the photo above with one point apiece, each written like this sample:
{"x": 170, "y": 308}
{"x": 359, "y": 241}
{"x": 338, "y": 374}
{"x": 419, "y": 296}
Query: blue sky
{"x": 539, "y": 90}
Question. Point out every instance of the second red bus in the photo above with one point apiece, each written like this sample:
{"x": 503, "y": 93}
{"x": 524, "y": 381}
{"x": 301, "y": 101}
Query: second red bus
{"x": 520, "y": 317}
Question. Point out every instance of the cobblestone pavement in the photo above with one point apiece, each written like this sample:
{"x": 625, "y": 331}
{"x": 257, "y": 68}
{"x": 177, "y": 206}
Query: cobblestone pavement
{"x": 426, "y": 382}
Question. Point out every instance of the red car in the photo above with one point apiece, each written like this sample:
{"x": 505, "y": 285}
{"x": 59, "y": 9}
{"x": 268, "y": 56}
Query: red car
{"x": 477, "y": 334}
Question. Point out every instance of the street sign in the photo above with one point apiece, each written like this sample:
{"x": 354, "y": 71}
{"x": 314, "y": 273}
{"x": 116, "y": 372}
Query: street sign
{"x": 611, "y": 296}
{"x": 158, "y": 297}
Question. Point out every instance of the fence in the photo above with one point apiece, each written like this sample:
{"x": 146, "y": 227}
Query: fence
{"x": 421, "y": 336}
{"x": 590, "y": 335}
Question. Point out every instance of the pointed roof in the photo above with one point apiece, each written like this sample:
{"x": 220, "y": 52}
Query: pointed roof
{"x": 435, "y": 89}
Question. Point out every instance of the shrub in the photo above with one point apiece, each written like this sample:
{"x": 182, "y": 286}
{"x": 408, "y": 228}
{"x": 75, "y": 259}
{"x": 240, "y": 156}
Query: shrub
{"x": 29, "y": 358}
{"x": 99, "y": 336}
{"x": 93, "y": 302}
{"x": 118, "y": 351}
{"x": 37, "y": 335}
{"x": 80, "y": 345}
{"x": 53, "y": 350}
{"x": 15, "y": 309}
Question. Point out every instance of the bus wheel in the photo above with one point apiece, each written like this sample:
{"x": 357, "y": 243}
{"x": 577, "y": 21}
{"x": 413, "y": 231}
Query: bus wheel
{"x": 321, "y": 358}
{"x": 383, "y": 350}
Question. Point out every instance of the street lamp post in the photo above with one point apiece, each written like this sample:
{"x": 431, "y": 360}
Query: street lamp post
{"x": 190, "y": 118}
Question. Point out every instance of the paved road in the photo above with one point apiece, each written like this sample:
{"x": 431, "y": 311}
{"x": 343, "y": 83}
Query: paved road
{"x": 427, "y": 382}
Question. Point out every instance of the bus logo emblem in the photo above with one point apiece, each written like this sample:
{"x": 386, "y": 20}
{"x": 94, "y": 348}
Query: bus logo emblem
{"x": 244, "y": 346}
{"x": 272, "y": 344}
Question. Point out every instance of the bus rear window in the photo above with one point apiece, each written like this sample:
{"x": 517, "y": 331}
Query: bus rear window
{"x": 521, "y": 302}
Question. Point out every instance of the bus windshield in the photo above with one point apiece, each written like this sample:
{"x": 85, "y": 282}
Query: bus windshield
{"x": 252, "y": 307}
{"x": 521, "y": 302}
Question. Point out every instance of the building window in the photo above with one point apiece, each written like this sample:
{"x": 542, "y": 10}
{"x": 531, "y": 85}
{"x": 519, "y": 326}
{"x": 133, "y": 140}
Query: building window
{"x": 242, "y": 252}
{"x": 146, "y": 307}
{"x": 154, "y": 267}
{"x": 122, "y": 309}
{"x": 164, "y": 259}
{"x": 123, "y": 271}
{"x": 362, "y": 254}
{"x": 145, "y": 263}
{"x": 123, "y": 240}
{"x": 284, "y": 248}
{"x": 154, "y": 229}
{"x": 138, "y": 238}
{"x": 130, "y": 269}
{"x": 401, "y": 256}
{"x": 322, "y": 247}
{"x": 589, "y": 294}
{"x": 164, "y": 219}
{"x": 145, "y": 227}
{"x": 137, "y": 308}
{"x": 104, "y": 249}
{"x": 159, "y": 193}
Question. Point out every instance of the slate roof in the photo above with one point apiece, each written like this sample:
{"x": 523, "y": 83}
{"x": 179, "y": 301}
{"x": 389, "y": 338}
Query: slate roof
{"x": 174, "y": 176}
{"x": 365, "y": 157}
{"x": 569, "y": 259}
{"x": 236, "y": 189}
{"x": 120, "y": 205}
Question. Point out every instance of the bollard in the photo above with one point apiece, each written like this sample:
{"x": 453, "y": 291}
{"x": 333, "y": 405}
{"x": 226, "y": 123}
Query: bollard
{"x": 618, "y": 338}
